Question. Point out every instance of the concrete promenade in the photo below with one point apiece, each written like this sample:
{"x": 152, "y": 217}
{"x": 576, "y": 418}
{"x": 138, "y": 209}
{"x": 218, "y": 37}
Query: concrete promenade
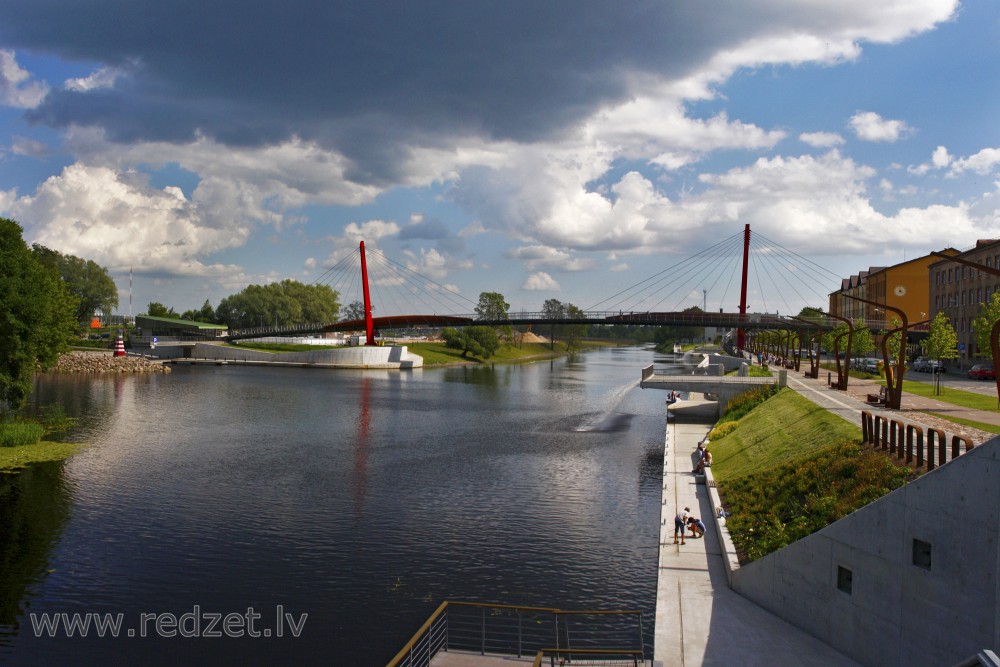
{"x": 699, "y": 620}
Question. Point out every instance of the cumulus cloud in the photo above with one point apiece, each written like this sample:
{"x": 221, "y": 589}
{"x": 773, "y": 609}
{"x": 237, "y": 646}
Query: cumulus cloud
{"x": 869, "y": 126}
{"x": 540, "y": 282}
{"x": 982, "y": 162}
{"x": 29, "y": 147}
{"x": 543, "y": 256}
{"x": 431, "y": 263}
{"x": 104, "y": 77}
{"x": 118, "y": 220}
{"x": 17, "y": 89}
{"x": 821, "y": 139}
{"x": 420, "y": 228}
{"x": 941, "y": 158}
{"x": 789, "y": 199}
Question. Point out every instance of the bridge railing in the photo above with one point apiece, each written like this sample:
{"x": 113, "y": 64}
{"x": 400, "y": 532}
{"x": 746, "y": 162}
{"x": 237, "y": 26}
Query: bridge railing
{"x": 500, "y": 629}
{"x": 609, "y": 317}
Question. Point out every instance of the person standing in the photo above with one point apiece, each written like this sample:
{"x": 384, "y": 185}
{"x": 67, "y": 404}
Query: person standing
{"x": 680, "y": 523}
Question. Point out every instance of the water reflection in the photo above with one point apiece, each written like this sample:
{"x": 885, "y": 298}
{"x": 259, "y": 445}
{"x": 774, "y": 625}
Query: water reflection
{"x": 362, "y": 446}
{"x": 363, "y": 498}
{"x": 34, "y": 508}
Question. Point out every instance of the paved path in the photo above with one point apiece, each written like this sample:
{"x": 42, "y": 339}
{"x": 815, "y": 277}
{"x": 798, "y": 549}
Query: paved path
{"x": 699, "y": 620}
{"x": 913, "y": 408}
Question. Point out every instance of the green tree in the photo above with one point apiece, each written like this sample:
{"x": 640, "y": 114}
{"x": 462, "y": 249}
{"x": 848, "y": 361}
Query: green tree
{"x": 479, "y": 341}
{"x": 809, "y": 312}
{"x": 204, "y": 314}
{"x": 862, "y": 342}
{"x": 492, "y": 306}
{"x": 989, "y": 313}
{"x": 157, "y": 309}
{"x": 284, "y": 303}
{"x": 355, "y": 310}
{"x": 572, "y": 333}
{"x": 941, "y": 343}
{"x": 36, "y": 309}
{"x": 554, "y": 309}
{"x": 86, "y": 280}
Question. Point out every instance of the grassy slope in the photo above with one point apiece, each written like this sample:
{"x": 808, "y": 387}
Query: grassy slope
{"x": 787, "y": 427}
{"x": 790, "y": 468}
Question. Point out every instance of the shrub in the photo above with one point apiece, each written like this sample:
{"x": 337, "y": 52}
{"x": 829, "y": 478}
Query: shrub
{"x": 722, "y": 430}
{"x": 780, "y": 505}
{"x": 17, "y": 433}
{"x": 747, "y": 401}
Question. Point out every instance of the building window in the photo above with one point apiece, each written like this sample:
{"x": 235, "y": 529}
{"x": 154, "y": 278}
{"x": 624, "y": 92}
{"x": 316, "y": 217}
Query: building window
{"x": 922, "y": 554}
{"x": 949, "y": 275}
{"x": 963, "y": 273}
{"x": 963, "y": 297}
{"x": 971, "y": 301}
{"x": 987, "y": 262}
{"x": 845, "y": 579}
{"x": 979, "y": 295}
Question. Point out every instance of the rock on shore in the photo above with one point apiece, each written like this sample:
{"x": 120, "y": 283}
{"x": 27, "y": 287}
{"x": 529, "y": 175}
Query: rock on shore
{"x": 106, "y": 362}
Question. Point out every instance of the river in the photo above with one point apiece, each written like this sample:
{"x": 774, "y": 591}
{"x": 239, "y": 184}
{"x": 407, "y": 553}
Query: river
{"x": 351, "y": 503}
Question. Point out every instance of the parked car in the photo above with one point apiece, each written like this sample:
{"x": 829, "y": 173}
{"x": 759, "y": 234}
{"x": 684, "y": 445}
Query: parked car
{"x": 935, "y": 366}
{"x": 982, "y": 372}
{"x": 920, "y": 365}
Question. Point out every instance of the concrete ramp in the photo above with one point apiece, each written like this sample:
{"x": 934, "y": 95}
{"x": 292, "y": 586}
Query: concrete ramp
{"x": 911, "y": 579}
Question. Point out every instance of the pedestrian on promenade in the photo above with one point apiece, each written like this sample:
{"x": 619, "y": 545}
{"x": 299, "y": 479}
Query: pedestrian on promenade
{"x": 697, "y": 526}
{"x": 680, "y": 523}
{"x": 699, "y": 458}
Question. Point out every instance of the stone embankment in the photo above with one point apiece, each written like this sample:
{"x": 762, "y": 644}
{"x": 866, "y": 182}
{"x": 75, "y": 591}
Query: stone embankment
{"x": 106, "y": 362}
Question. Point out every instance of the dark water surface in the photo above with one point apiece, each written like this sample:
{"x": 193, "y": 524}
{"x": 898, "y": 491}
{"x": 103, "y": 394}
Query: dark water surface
{"x": 362, "y": 499}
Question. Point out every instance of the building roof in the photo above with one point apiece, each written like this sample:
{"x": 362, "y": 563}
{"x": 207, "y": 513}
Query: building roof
{"x": 180, "y": 324}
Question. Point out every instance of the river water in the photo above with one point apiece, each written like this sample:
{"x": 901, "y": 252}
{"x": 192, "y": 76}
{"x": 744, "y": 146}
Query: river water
{"x": 360, "y": 498}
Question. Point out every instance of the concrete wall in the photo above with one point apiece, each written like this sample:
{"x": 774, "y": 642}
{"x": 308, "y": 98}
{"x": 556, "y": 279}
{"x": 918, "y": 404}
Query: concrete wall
{"x": 898, "y": 612}
{"x": 395, "y": 356}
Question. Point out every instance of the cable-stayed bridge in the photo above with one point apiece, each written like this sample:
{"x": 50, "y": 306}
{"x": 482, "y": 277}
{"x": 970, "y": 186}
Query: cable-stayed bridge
{"x": 775, "y": 274}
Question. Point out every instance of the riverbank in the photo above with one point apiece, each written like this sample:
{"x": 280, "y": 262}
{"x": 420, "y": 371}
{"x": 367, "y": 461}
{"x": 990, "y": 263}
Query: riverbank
{"x": 13, "y": 459}
{"x": 105, "y": 362}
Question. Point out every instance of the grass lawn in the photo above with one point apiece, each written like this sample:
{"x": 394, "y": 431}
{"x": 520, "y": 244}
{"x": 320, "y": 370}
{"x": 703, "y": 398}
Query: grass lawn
{"x": 12, "y": 458}
{"x": 853, "y": 372}
{"x": 784, "y": 428}
{"x": 966, "y": 399}
{"x": 436, "y": 354}
{"x": 989, "y": 428}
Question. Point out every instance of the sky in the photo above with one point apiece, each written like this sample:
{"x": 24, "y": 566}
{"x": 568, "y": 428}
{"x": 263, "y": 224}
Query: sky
{"x": 566, "y": 149}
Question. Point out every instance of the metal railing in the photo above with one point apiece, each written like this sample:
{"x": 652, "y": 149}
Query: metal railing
{"x": 557, "y": 657}
{"x": 716, "y": 376}
{"x": 905, "y": 441}
{"x": 498, "y": 629}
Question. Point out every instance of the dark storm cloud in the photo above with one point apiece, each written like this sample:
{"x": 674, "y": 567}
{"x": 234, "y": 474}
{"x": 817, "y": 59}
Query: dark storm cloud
{"x": 255, "y": 72}
{"x": 364, "y": 77}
